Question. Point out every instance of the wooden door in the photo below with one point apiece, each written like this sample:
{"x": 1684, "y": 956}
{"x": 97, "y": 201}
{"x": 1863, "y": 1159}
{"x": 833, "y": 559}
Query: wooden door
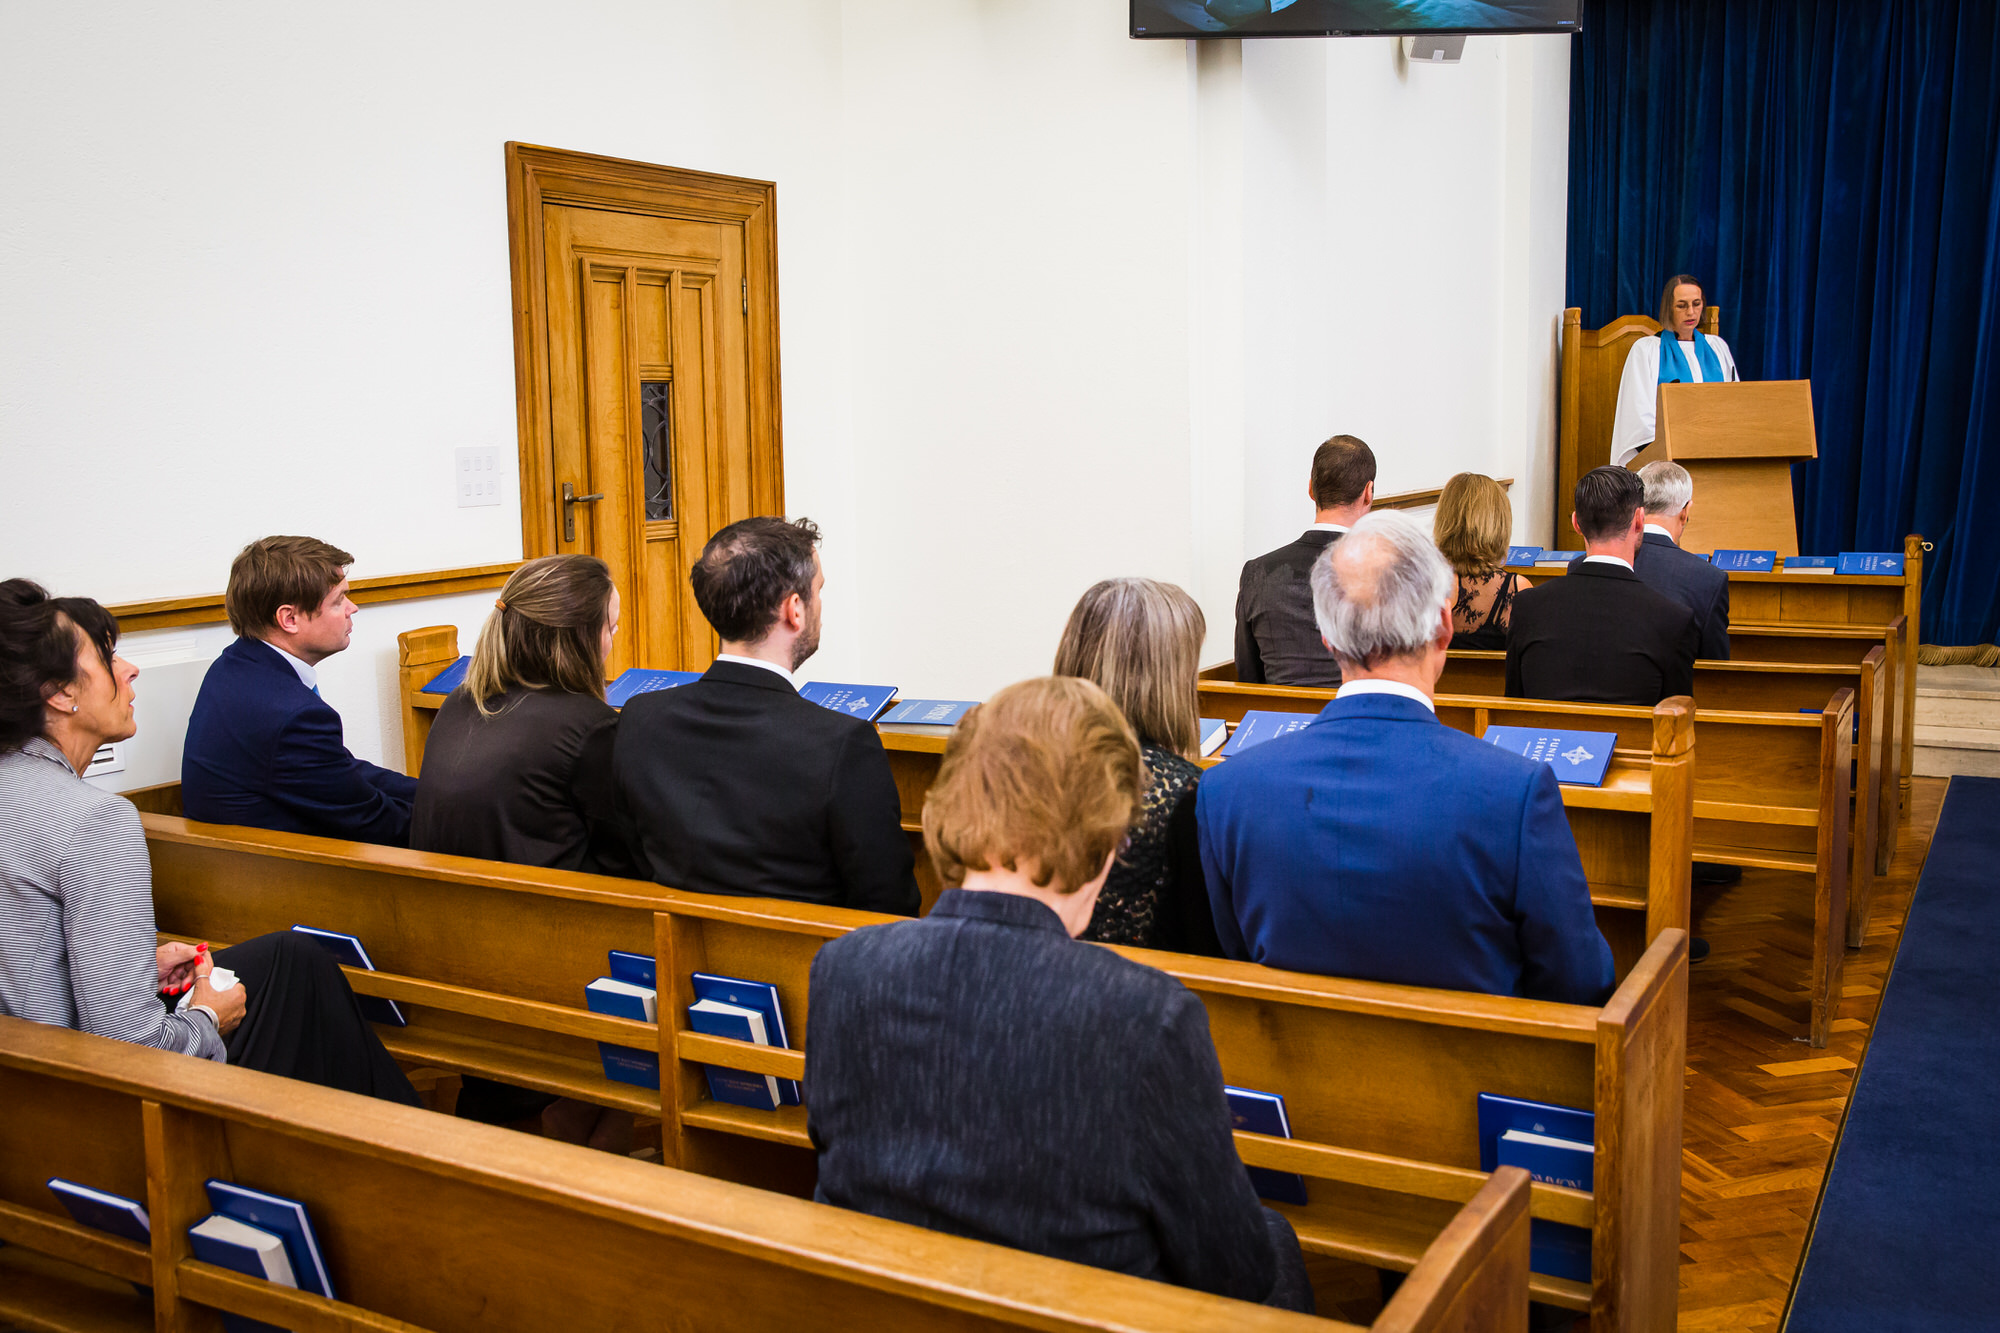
{"x": 646, "y": 360}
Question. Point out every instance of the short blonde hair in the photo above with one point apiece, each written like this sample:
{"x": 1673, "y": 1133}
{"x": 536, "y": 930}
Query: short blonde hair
{"x": 1140, "y": 641}
{"x": 1044, "y": 778}
{"x": 1472, "y": 524}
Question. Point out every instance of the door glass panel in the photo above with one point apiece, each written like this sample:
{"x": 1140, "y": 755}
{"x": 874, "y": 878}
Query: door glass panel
{"x": 657, "y": 437}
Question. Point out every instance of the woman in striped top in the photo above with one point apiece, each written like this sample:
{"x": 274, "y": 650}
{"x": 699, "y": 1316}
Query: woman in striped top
{"x": 77, "y": 943}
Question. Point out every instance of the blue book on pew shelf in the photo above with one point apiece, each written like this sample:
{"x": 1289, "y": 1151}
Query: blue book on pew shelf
{"x": 242, "y": 1248}
{"x": 1214, "y": 731}
{"x": 1553, "y": 558}
{"x": 1811, "y": 564}
{"x": 284, "y": 1218}
{"x": 643, "y": 680}
{"x": 738, "y": 1087}
{"x": 863, "y": 701}
{"x": 449, "y": 679}
{"x": 625, "y": 999}
{"x": 1745, "y": 562}
{"x": 1880, "y": 563}
{"x": 929, "y": 712}
{"x": 1554, "y": 1248}
{"x": 347, "y": 949}
{"x": 1259, "y": 727}
{"x": 761, "y": 998}
{"x": 1264, "y": 1113}
{"x": 636, "y": 968}
{"x": 103, "y": 1210}
{"x": 1579, "y": 758}
{"x": 1520, "y": 557}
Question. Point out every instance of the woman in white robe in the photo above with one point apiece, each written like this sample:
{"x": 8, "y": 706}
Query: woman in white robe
{"x": 1689, "y": 357}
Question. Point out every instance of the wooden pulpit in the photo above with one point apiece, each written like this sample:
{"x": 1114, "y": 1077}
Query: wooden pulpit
{"x": 1738, "y": 441}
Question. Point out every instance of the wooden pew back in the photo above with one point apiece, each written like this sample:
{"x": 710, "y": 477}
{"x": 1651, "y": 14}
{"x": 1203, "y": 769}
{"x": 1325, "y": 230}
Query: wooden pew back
{"x": 1393, "y": 1146}
{"x": 429, "y": 1222}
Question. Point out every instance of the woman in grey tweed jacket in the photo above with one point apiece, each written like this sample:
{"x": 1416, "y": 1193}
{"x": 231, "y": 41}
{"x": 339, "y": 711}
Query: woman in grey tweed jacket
{"x": 77, "y": 944}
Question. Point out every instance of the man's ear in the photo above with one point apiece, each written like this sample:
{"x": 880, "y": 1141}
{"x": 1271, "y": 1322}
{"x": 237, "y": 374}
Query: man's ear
{"x": 287, "y": 618}
{"x": 1574, "y": 524}
{"x": 1368, "y": 495}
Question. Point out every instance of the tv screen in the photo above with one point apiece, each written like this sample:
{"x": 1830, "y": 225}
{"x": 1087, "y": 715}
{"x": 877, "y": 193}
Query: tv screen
{"x": 1348, "y": 18}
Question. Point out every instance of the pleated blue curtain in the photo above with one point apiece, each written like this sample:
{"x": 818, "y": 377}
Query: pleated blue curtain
{"x": 1828, "y": 168}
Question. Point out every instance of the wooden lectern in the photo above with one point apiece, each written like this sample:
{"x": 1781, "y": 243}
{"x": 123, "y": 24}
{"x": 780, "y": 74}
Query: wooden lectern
{"x": 1738, "y": 441}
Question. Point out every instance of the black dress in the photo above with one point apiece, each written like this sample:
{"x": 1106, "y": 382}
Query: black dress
{"x": 1492, "y": 631}
{"x": 1155, "y": 896}
{"x": 302, "y": 1021}
{"x": 529, "y": 783}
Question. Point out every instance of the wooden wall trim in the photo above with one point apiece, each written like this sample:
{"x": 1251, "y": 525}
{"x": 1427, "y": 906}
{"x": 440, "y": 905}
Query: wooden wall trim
{"x": 1418, "y": 499}
{"x": 167, "y": 612}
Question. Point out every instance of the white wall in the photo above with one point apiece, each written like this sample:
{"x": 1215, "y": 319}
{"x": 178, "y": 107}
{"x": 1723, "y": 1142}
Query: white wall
{"x": 1057, "y": 305}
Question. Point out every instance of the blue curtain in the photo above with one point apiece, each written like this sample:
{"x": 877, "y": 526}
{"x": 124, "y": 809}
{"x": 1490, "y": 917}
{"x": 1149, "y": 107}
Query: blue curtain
{"x": 1828, "y": 169}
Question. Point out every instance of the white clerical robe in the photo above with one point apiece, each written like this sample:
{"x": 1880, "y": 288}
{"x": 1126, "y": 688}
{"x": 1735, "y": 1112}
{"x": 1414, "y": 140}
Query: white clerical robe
{"x": 1639, "y": 392}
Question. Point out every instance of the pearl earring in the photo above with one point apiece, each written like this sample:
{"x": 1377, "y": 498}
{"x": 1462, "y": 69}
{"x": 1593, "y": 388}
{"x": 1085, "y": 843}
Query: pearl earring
{"x": 74, "y": 707}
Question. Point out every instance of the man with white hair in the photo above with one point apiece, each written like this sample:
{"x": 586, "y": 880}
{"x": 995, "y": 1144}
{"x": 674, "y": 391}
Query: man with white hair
{"x": 1379, "y": 843}
{"x": 1664, "y": 567}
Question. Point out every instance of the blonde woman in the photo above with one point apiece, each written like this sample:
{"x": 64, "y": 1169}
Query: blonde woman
{"x": 518, "y": 764}
{"x": 1140, "y": 642}
{"x": 1471, "y": 526}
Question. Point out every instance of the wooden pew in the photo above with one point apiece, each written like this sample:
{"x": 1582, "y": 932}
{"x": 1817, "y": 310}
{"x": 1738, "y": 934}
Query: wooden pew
{"x": 1771, "y": 789}
{"x": 428, "y": 1222}
{"x": 1633, "y": 833}
{"x": 1783, "y": 687}
{"x": 505, "y": 1000}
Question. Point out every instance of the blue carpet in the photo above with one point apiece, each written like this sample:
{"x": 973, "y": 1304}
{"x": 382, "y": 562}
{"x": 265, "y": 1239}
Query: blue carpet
{"x": 1908, "y": 1235}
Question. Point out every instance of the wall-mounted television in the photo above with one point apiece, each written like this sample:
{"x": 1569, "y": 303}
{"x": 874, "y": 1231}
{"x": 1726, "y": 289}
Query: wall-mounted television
{"x": 1349, "y": 18}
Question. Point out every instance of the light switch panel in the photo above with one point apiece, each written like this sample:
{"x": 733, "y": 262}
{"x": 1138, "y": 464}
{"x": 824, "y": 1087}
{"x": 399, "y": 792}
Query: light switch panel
{"x": 478, "y": 476}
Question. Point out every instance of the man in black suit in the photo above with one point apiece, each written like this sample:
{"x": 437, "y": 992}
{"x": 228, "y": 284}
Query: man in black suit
{"x": 733, "y": 783}
{"x": 1599, "y": 634}
{"x": 1664, "y": 567}
{"x": 1277, "y": 640}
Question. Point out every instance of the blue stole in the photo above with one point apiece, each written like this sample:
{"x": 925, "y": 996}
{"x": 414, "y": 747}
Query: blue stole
{"x": 1673, "y": 362}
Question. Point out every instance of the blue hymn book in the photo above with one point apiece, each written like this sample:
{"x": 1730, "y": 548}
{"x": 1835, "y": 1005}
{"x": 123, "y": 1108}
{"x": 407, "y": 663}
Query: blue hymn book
{"x": 1520, "y": 557}
{"x": 863, "y": 701}
{"x": 241, "y": 1248}
{"x": 760, "y": 999}
{"x": 284, "y": 1218}
{"x": 1214, "y": 731}
{"x": 1259, "y": 727}
{"x": 636, "y": 968}
{"x": 625, "y": 999}
{"x": 1264, "y": 1113}
{"x": 449, "y": 679}
{"x": 1879, "y": 563}
{"x": 1811, "y": 564}
{"x": 107, "y": 1212}
{"x": 347, "y": 949}
{"x": 644, "y": 680}
{"x": 1553, "y": 558}
{"x": 1580, "y": 758}
{"x": 1745, "y": 562}
{"x": 1554, "y": 1248}
{"x": 929, "y": 712}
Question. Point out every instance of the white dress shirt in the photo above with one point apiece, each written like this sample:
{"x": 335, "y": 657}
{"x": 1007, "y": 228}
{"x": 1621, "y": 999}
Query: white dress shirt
{"x": 305, "y": 669}
{"x": 1654, "y": 527}
{"x": 790, "y": 679}
{"x": 1353, "y": 687}
{"x": 1618, "y": 560}
{"x": 1327, "y": 527}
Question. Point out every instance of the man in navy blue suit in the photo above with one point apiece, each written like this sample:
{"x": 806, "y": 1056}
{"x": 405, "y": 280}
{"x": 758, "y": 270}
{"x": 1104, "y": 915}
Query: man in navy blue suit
{"x": 263, "y": 748}
{"x": 1377, "y": 842}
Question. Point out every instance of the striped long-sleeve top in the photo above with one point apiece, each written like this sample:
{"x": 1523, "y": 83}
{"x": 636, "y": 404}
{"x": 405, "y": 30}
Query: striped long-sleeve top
{"x": 77, "y": 944}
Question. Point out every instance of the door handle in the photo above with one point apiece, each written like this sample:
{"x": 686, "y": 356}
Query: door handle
{"x": 570, "y": 499}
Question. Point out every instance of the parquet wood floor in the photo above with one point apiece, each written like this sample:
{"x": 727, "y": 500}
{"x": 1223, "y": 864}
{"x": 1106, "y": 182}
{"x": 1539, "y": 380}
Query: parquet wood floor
{"x": 1763, "y": 1108}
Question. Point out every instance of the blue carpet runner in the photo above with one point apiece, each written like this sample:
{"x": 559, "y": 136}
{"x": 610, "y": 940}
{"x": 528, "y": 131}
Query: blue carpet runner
{"x": 1908, "y": 1235}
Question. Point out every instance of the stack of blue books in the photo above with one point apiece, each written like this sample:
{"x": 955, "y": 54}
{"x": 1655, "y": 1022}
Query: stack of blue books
{"x": 1811, "y": 564}
{"x": 631, "y": 991}
{"x": 265, "y": 1236}
{"x": 742, "y": 1011}
{"x": 1556, "y": 1145}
